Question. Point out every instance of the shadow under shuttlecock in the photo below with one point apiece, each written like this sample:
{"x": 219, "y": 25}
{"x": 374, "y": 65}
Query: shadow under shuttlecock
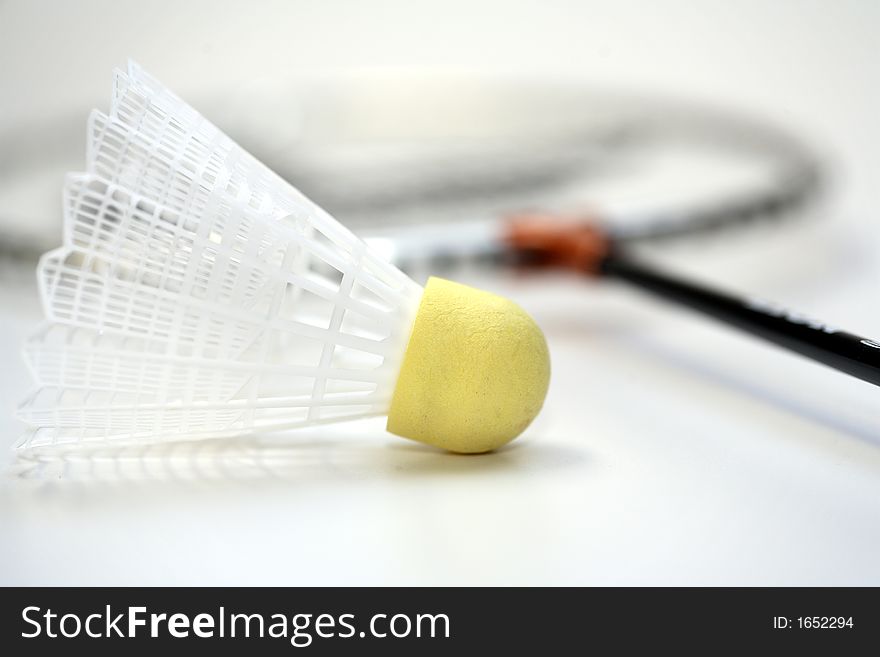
{"x": 283, "y": 458}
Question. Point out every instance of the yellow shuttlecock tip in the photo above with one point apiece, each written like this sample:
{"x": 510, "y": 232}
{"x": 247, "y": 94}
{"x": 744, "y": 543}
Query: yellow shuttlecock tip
{"x": 475, "y": 372}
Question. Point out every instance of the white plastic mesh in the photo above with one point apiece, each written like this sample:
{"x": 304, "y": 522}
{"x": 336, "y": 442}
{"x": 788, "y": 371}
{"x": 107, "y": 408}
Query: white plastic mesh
{"x": 197, "y": 294}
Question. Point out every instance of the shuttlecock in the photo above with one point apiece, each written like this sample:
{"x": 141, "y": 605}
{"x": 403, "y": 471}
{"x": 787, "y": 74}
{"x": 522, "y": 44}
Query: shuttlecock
{"x": 199, "y": 295}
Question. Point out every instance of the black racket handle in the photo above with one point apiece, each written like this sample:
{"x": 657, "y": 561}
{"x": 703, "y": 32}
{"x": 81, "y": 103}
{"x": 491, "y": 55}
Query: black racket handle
{"x": 826, "y": 344}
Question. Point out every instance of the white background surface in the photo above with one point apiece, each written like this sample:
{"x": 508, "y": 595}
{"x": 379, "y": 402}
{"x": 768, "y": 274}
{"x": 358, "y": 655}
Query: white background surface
{"x": 670, "y": 450}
